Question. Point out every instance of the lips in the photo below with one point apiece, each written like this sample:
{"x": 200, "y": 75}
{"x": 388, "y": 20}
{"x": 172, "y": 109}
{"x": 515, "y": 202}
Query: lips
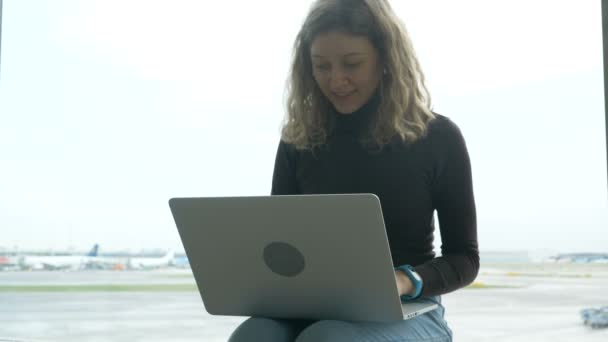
{"x": 343, "y": 95}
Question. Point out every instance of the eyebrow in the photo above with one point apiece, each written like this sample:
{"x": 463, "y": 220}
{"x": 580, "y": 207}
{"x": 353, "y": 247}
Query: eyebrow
{"x": 348, "y": 54}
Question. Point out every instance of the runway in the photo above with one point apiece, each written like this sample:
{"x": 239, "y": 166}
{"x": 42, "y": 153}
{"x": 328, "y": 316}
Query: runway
{"x": 529, "y": 303}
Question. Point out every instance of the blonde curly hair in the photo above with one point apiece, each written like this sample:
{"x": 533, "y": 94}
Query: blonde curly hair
{"x": 405, "y": 105}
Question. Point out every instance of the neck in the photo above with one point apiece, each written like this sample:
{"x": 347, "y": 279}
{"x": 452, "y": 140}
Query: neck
{"x": 358, "y": 121}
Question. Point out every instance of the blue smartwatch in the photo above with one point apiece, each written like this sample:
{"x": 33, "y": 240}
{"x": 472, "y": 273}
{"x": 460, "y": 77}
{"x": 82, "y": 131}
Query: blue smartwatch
{"x": 414, "y": 278}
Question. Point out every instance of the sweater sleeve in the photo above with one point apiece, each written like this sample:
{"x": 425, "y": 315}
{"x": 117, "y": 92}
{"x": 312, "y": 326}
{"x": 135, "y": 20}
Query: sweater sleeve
{"x": 455, "y": 204}
{"x": 284, "y": 175}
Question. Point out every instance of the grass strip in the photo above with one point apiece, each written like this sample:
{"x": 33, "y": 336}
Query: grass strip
{"x": 155, "y": 287}
{"x": 547, "y": 275}
{"x": 477, "y": 286}
{"x": 100, "y": 288}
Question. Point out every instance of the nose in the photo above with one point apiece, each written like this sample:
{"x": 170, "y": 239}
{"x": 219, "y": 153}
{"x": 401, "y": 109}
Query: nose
{"x": 337, "y": 80}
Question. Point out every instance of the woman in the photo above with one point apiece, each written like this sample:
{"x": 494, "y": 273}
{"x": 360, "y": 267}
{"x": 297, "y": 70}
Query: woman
{"x": 359, "y": 121}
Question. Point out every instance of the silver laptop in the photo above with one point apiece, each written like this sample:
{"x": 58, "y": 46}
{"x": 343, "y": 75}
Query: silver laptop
{"x": 292, "y": 256}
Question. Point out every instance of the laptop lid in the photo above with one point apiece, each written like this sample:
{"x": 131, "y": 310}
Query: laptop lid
{"x": 292, "y": 256}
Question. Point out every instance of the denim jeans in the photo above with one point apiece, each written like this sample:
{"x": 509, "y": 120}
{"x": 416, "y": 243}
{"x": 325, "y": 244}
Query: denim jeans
{"x": 429, "y": 327}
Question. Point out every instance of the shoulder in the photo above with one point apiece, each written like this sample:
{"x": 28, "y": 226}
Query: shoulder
{"x": 286, "y": 147}
{"x": 442, "y": 125}
{"x": 445, "y": 141}
{"x": 442, "y": 130}
{"x": 286, "y": 151}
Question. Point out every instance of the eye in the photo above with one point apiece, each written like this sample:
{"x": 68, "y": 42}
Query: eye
{"x": 352, "y": 65}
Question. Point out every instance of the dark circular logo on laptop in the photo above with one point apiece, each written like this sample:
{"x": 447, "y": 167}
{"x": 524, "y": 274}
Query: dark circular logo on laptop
{"x": 284, "y": 259}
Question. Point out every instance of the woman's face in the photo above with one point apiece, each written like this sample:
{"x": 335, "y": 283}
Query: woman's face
{"x": 346, "y": 68}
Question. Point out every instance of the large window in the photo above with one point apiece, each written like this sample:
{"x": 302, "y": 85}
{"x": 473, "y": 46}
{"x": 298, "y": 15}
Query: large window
{"x": 109, "y": 108}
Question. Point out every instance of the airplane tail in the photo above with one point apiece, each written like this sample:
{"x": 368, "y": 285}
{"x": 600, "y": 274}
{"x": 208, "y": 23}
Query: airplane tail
{"x": 169, "y": 255}
{"x": 94, "y": 250}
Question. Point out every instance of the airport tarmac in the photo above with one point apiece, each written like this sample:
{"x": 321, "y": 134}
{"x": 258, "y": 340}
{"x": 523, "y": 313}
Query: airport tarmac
{"x": 512, "y": 304}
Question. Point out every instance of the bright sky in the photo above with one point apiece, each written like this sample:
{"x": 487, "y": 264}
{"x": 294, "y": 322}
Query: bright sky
{"x": 109, "y": 108}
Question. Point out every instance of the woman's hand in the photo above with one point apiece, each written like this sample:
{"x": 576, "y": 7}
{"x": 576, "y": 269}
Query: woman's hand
{"x": 404, "y": 284}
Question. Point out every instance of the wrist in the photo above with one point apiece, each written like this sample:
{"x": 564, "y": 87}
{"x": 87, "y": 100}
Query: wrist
{"x": 404, "y": 284}
{"x": 413, "y": 281}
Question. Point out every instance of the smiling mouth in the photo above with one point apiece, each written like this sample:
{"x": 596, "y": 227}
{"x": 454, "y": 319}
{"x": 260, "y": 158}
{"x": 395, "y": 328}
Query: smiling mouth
{"x": 341, "y": 96}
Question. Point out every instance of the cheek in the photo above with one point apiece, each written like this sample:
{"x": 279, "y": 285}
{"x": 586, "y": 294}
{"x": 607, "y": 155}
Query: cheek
{"x": 321, "y": 81}
{"x": 368, "y": 79}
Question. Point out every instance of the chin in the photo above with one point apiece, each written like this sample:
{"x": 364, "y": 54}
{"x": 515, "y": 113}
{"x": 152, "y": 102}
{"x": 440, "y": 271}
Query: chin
{"x": 346, "y": 109}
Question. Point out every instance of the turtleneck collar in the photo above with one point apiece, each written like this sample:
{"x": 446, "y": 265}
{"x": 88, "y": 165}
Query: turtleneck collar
{"x": 357, "y": 121}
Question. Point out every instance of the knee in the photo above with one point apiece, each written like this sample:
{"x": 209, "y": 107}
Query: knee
{"x": 262, "y": 329}
{"x": 329, "y": 330}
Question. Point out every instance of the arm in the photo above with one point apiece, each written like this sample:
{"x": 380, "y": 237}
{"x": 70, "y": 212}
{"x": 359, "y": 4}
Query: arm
{"x": 455, "y": 204}
{"x": 284, "y": 176}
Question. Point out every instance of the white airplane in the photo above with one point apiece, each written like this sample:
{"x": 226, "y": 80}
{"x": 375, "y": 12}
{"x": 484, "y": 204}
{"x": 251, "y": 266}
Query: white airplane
{"x": 106, "y": 263}
{"x": 581, "y": 257}
{"x": 9, "y": 263}
{"x": 151, "y": 262}
{"x": 57, "y": 262}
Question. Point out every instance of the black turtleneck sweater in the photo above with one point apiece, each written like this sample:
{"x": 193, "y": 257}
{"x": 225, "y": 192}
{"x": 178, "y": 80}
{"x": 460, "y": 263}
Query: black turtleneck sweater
{"x": 412, "y": 180}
